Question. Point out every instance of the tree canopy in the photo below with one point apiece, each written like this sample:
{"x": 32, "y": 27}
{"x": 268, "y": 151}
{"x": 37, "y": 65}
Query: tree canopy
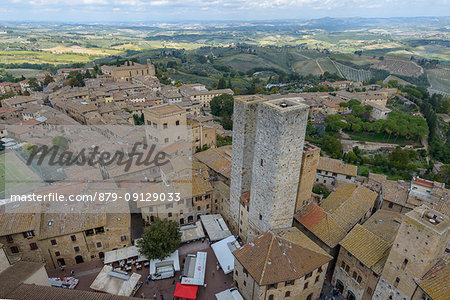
{"x": 160, "y": 239}
{"x": 222, "y": 106}
{"x": 61, "y": 142}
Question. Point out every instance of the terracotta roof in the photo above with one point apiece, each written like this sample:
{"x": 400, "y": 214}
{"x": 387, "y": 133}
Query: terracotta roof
{"x": 15, "y": 275}
{"x": 321, "y": 224}
{"x": 37, "y": 292}
{"x": 11, "y": 223}
{"x": 19, "y": 100}
{"x": 338, "y": 213}
{"x": 281, "y": 255}
{"x": 385, "y": 224}
{"x": 9, "y": 109}
{"x": 436, "y": 282}
{"x": 336, "y": 166}
{"x": 371, "y": 242}
{"x": 366, "y": 246}
{"x": 165, "y": 109}
{"x": 422, "y": 182}
{"x": 218, "y": 159}
{"x": 195, "y": 185}
{"x": 348, "y": 204}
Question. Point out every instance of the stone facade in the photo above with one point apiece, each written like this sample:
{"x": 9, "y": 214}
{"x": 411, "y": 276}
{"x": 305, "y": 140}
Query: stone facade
{"x": 202, "y": 136}
{"x": 310, "y": 159}
{"x": 279, "y": 139}
{"x": 83, "y": 246}
{"x": 353, "y": 278}
{"x": 268, "y": 139}
{"x": 244, "y": 130}
{"x": 221, "y": 200}
{"x": 4, "y": 261}
{"x": 167, "y": 124}
{"x": 419, "y": 243}
{"x": 307, "y": 287}
{"x": 127, "y": 72}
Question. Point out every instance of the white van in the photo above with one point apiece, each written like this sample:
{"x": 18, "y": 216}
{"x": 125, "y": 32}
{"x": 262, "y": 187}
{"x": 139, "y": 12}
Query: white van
{"x": 163, "y": 272}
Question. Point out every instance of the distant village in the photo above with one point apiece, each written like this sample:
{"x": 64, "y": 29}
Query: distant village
{"x": 250, "y": 205}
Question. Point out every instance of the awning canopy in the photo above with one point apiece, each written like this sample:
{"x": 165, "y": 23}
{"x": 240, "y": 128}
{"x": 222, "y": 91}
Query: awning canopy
{"x": 123, "y": 253}
{"x": 224, "y": 253}
{"x": 186, "y": 291}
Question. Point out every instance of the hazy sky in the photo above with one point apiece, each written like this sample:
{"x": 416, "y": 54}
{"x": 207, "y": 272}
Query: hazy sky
{"x": 182, "y": 10}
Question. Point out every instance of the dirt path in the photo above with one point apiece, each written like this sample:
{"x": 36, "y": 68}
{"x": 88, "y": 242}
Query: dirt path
{"x": 339, "y": 71}
{"x": 320, "y": 67}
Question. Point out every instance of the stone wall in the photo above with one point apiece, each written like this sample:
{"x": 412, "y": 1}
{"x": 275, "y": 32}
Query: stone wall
{"x": 417, "y": 246}
{"x": 279, "y": 140}
{"x": 310, "y": 159}
{"x": 244, "y": 130}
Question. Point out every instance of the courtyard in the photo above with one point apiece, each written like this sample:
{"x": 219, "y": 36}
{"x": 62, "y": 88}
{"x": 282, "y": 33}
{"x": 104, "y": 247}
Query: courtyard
{"x": 216, "y": 281}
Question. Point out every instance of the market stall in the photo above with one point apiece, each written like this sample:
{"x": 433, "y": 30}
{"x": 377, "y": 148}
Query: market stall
{"x": 183, "y": 291}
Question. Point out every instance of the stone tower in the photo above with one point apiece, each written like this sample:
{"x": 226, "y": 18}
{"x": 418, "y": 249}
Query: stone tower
{"x": 268, "y": 138}
{"x": 310, "y": 160}
{"x": 420, "y": 241}
{"x": 244, "y": 130}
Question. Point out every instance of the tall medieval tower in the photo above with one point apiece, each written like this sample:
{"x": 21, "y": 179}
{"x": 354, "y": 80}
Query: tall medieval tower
{"x": 268, "y": 140}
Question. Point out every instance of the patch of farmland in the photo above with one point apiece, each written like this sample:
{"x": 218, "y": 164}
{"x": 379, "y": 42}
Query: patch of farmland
{"x": 401, "y": 67}
{"x": 307, "y": 67}
{"x": 245, "y": 62}
{"x": 280, "y": 57}
{"x": 27, "y": 73}
{"x": 327, "y": 65}
{"x": 439, "y": 80}
{"x": 351, "y": 73}
{"x": 399, "y": 80}
{"x": 313, "y": 54}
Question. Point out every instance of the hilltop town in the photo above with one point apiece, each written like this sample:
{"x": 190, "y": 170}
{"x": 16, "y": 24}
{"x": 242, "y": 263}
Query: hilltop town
{"x": 303, "y": 195}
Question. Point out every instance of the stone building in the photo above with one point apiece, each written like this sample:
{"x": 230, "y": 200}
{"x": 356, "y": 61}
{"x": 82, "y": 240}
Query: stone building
{"x": 244, "y": 131}
{"x": 167, "y": 124}
{"x": 129, "y": 70}
{"x": 402, "y": 196}
{"x": 378, "y": 112}
{"x": 363, "y": 254}
{"x": 202, "y": 136}
{"x": 420, "y": 242}
{"x": 274, "y": 131}
{"x": 327, "y": 224}
{"x": 310, "y": 160}
{"x": 57, "y": 234}
{"x": 19, "y": 101}
{"x": 18, "y": 234}
{"x": 280, "y": 264}
{"x": 194, "y": 195}
{"x": 435, "y": 283}
{"x": 333, "y": 172}
{"x": 218, "y": 161}
{"x": 25, "y": 280}
{"x": 199, "y": 93}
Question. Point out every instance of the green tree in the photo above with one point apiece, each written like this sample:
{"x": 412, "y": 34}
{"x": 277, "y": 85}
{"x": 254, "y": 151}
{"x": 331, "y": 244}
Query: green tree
{"x": 29, "y": 148}
{"x": 222, "y": 106}
{"x": 222, "y": 84}
{"x": 332, "y": 146}
{"x": 444, "y": 172}
{"x": 61, "y": 142}
{"x": 160, "y": 239}
{"x": 223, "y": 141}
{"x": 321, "y": 189}
{"x": 48, "y": 79}
{"x": 334, "y": 123}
